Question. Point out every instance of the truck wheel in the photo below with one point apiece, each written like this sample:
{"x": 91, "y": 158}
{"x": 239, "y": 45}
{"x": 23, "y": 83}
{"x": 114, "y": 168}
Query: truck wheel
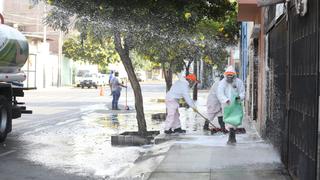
{"x": 95, "y": 86}
{"x": 82, "y": 86}
{"x": 5, "y": 117}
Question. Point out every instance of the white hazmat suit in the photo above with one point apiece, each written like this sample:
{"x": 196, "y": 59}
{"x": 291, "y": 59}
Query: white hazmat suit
{"x": 213, "y": 103}
{"x": 227, "y": 89}
{"x": 180, "y": 89}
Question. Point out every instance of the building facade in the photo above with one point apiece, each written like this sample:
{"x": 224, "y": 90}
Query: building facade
{"x": 46, "y": 66}
{"x": 284, "y": 76}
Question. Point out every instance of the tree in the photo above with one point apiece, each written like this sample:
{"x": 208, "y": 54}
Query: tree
{"x": 130, "y": 21}
{"x": 91, "y": 51}
{"x": 163, "y": 54}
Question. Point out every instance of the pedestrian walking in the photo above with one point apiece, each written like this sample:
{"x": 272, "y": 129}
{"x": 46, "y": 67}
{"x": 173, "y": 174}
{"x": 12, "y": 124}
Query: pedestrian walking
{"x": 116, "y": 90}
{"x": 110, "y": 78}
{"x": 214, "y": 107}
{"x": 230, "y": 87}
{"x": 180, "y": 89}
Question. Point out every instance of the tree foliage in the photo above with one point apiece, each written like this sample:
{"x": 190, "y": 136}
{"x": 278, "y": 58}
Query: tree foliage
{"x": 90, "y": 51}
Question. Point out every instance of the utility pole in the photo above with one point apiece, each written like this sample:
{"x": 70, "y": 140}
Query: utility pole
{"x": 60, "y": 57}
{"x": 45, "y": 47}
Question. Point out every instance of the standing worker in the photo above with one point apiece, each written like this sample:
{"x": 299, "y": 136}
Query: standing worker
{"x": 230, "y": 86}
{"x": 110, "y": 78}
{"x": 180, "y": 89}
{"x": 116, "y": 90}
{"x": 214, "y": 107}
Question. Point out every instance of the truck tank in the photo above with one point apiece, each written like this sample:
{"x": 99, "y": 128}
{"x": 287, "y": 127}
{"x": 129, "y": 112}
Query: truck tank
{"x": 14, "y": 49}
{"x": 14, "y": 52}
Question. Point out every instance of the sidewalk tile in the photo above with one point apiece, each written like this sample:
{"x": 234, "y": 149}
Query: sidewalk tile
{"x": 187, "y": 159}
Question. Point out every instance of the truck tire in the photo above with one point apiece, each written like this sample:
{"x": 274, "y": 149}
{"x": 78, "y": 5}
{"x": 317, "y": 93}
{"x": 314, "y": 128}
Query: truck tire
{"x": 5, "y": 117}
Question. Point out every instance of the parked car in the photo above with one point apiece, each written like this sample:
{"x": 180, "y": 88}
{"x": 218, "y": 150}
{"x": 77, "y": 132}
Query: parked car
{"x": 80, "y": 76}
{"x": 89, "y": 80}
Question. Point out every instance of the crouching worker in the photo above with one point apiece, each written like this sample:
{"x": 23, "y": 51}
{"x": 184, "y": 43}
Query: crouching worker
{"x": 180, "y": 89}
{"x": 214, "y": 107}
{"x": 228, "y": 88}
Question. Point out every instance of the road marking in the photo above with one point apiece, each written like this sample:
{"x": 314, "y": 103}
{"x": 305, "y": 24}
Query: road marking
{"x": 51, "y": 126}
{"x": 7, "y": 153}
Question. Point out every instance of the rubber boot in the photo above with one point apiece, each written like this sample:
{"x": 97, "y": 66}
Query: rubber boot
{"x": 168, "y": 131}
{"x": 179, "y": 130}
{"x": 222, "y": 124}
{"x": 232, "y": 136}
{"x": 206, "y": 125}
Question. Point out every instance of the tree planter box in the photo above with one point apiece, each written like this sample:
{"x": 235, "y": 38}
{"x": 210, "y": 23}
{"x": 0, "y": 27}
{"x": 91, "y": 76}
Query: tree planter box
{"x": 159, "y": 116}
{"x": 133, "y": 138}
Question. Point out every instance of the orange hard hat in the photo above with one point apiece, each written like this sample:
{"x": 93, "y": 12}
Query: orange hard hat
{"x": 191, "y": 77}
{"x": 230, "y": 71}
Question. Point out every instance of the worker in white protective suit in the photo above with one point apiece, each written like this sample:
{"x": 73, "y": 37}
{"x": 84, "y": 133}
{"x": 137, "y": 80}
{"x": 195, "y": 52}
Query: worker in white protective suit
{"x": 180, "y": 89}
{"x": 214, "y": 107}
{"x": 228, "y": 87}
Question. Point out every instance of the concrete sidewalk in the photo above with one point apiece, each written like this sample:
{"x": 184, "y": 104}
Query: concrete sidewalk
{"x": 198, "y": 156}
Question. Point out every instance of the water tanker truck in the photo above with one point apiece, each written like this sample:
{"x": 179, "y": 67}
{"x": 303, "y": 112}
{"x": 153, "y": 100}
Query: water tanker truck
{"x": 14, "y": 52}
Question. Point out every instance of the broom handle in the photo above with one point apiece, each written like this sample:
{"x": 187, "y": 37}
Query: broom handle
{"x": 126, "y": 92}
{"x": 206, "y": 119}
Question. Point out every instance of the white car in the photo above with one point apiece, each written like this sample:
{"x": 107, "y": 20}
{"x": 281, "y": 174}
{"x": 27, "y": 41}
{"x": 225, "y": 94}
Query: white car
{"x": 89, "y": 80}
{"x": 80, "y": 76}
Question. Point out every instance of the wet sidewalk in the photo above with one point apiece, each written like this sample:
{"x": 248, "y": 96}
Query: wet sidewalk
{"x": 202, "y": 156}
{"x": 198, "y": 155}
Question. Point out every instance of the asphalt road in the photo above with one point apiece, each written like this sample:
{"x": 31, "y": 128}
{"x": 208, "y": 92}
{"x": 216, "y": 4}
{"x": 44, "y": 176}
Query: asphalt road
{"x": 68, "y": 135}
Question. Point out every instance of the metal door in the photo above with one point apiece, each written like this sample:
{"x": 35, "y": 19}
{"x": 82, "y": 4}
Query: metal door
{"x": 304, "y": 89}
{"x": 277, "y": 123}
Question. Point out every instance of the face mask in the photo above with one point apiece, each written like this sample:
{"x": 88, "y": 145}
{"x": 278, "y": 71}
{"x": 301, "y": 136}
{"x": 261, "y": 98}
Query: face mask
{"x": 230, "y": 79}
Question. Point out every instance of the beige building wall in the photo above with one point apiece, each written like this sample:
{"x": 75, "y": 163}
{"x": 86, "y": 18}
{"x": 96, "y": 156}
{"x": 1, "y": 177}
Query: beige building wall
{"x": 248, "y": 11}
{"x": 28, "y": 19}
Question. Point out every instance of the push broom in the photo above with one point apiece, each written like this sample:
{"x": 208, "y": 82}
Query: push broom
{"x": 127, "y": 107}
{"x": 215, "y": 129}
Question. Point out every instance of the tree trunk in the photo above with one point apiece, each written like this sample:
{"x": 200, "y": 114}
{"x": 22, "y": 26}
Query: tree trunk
{"x": 127, "y": 63}
{"x": 188, "y": 67}
{"x": 167, "y": 76}
{"x": 195, "y": 89}
{"x": 207, "y": 75}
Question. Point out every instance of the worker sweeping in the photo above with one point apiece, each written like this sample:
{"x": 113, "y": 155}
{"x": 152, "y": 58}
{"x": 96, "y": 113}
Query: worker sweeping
{"x": 231, "y": 92}
{"x": 180, "y": 89}
{"x": 214, "y": 107}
